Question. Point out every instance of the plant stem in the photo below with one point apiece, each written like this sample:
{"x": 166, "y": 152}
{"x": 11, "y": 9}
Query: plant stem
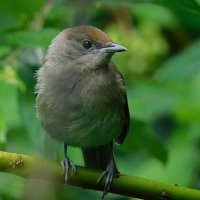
{"x": 33, "y": 167}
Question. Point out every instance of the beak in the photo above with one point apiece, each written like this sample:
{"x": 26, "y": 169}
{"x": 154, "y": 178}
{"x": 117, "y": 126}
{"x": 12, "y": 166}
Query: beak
{"x": 112, "y": 48}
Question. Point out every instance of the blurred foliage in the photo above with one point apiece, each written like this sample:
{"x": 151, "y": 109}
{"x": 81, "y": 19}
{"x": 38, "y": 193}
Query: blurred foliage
{"x": 161, "y": 69}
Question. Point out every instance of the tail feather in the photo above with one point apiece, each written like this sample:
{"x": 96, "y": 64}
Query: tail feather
{"x": 99, "y": 157}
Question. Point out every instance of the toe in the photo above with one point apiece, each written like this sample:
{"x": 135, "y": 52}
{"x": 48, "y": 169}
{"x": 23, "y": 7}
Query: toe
{"x": 108, "y": 182}
{"x": 102, "y": 176}
{"x": 63, "y": 166}
{"x": 109, "y": 174}
{"x": 66, "y": 164}
{"x": 72, "y": 166}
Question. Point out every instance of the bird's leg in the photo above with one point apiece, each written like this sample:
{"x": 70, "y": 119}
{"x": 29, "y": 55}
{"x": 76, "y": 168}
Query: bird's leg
{"x": 67, "y": 163}
{"x": 110, "y": 172}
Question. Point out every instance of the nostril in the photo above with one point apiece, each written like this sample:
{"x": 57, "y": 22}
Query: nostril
{"x": 109, "y": 45}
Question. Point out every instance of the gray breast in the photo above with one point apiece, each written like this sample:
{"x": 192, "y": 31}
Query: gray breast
{"x": 87, "y": 112}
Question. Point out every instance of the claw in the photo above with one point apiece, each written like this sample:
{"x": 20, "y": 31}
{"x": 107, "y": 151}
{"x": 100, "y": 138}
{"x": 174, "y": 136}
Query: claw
{"x": 109, "y": 172}
{"x": 66, "y": 164}
{"x": 102, "y": 176}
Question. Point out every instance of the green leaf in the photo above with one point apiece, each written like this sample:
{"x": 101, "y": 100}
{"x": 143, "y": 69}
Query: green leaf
{"x": 33, "y": 38}
{"x": 183, "y": 159}
{"x": 181, "y": 67}
{"x": 142, "y": 138}
{"x": 9, "y": 105}
{"x": 27, "y": 109}
{"x": 22, "y": 6}
{"x": 187, "y": 11}
{"x": 188, "y": 109}
{"x": 3, "y": 132}
{"x": 4, "y": 50}
{"x": 17, "y": 14}
{"x": 148, "y": 100}
{"x": 190, "y": 6}
{"x": 11, "y": 187}
{"x": 9, "y": 75}
{"x": 150, "y": 12}
{"x": 7, "y": 20}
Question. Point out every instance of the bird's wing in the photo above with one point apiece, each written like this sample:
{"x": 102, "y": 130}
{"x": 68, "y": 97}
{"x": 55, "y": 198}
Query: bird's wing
{"x": 121, "y": 137}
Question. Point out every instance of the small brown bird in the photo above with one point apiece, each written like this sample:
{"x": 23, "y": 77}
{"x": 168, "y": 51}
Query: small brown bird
{"x": 81, "y": 98}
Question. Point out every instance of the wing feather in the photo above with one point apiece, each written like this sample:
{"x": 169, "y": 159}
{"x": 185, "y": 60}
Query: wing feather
{"x": 121, "y": 137}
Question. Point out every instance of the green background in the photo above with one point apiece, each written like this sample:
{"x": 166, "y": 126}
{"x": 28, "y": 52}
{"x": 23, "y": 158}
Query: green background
{"x": 162, "y": 73}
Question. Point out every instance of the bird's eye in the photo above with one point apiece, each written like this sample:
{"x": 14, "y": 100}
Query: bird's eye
{"x": 87, "y": 44}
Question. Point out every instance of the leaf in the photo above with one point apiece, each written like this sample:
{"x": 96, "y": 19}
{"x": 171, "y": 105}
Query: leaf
{"x": 181, "y": 67}
{"x": 190, "y": 6}
{"x": 7, "y": 20}
{"x": 22, "y": 7}
{"x": 14, "y": 15}
{"x": 11, "y": 187}
{"x": 9, "y": 75}
{"x": 142, "y": 138}
{"x": 30, "y": 121}
{"x": 187, "y": 12}
{"x": 4, "y": 50}
{"x": 27, "y": 109}
{"x": 9, "y": 105}
{"x": 183, "y": 159}
{"x": 188, "y": 109}
{"x": 150, "y": 12}
{"x": 33, "y": 38}
{"x": 149, "y": 100}
{"x": 3, "y": 132}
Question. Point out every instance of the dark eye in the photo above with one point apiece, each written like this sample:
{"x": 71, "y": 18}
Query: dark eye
{"x": 87, "y": 44}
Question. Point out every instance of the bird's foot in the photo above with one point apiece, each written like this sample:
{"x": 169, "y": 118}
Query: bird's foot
{"x": 66, "y": 164}
{"x": 110, "y": 172}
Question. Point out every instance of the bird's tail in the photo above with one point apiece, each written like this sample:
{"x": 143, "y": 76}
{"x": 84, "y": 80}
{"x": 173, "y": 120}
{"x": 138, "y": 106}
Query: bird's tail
{"x": 99, "y": 157}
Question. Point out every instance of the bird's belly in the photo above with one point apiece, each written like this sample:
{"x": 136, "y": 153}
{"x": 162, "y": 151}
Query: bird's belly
{"x": 88, "y": 117}
{"x": 86, "y": 126}
{"x": 87, "y": 130}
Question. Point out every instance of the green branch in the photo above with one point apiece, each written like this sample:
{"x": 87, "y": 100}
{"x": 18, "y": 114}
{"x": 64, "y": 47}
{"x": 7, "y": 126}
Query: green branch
{"x": 28, "y": 166}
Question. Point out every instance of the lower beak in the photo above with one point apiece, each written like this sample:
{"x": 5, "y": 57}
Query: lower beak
{"x": 112, "y": 48}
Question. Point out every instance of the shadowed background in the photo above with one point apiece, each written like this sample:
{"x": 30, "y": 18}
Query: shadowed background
{"x": 162, "y": 73}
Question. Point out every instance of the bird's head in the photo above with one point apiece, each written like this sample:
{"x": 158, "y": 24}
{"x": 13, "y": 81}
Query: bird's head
{"x": 85, "y": 45}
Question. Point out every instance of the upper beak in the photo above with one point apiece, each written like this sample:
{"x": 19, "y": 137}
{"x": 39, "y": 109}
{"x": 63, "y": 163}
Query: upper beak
{"x": 112, "y": 48}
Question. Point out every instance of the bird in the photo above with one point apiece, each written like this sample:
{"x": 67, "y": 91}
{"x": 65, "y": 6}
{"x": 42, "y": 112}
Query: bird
{"x": 81, "y": 98}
